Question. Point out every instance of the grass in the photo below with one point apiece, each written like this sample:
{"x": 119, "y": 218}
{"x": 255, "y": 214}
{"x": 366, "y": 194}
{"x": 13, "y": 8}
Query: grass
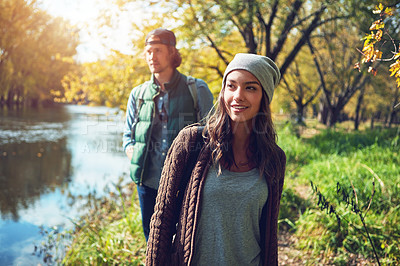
{"x": 111, "y": 233}
{"x": 365, "y": 164}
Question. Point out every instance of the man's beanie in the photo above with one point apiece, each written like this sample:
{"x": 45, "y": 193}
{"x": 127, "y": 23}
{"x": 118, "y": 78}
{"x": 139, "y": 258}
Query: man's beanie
{"x": 166, "y": 37}
{"x": 262, "y": 67}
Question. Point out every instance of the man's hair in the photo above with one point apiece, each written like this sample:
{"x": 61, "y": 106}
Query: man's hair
{"x": 176, "y": 58}
{"x": 262, "y": 149}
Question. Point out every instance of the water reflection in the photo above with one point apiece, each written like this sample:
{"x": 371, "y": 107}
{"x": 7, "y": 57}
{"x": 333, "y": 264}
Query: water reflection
{"x": 28, "y": 170}
{"x": 48, "y": 157}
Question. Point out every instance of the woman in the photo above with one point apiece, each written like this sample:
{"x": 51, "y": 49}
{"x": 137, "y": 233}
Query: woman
{"x": 229, "y": 212}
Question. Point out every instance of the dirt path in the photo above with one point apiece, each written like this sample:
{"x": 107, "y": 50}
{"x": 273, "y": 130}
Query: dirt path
{"x": 290, "y": 255}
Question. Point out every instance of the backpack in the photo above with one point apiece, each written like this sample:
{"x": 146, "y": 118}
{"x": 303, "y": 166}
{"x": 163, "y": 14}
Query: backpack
{"x": 191, "y": 83}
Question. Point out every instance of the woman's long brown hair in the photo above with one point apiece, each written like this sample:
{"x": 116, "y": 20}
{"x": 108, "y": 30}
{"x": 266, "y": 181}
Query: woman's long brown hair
{"x": 262, "y": 149}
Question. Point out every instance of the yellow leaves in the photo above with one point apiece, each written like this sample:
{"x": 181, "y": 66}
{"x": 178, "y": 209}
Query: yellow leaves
{"x": 368, "y": 52}
{"x": 371, "y": 53}
{"x": 67, "y": 59}
{"x": 395, "y": 69}
{"x": 378, "y": 35}
{"x": 377, "y": 55}
{"x": 357, "y": 66}
{"x": 372, "y": 70}
{"x": 380, "y": 9}
{"x": 379, "y": 24}
{"x": 396, "y": 56}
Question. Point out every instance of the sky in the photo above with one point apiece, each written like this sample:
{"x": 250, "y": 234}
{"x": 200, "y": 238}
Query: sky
{"x": 83, "y": 13}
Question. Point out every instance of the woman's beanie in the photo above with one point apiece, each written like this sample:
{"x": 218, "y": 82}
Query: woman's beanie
{"x": 262, "y": 67}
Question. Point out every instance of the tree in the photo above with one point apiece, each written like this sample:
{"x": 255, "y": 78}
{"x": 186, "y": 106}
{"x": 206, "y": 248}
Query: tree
{"x": 105, "y": 82}
{"x": 334, "y": 65}
{"x": 303, "y": 88}
{"x": 36, "y": 52}
{"x": 277, "y": 29}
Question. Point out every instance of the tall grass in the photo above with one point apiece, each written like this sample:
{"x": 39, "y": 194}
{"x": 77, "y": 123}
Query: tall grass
{"x": 367, "y": 164}
{"x": 111, "y": 233}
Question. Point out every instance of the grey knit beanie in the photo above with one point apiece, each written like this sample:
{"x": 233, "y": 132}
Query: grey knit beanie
{"x": 262, "y": 67}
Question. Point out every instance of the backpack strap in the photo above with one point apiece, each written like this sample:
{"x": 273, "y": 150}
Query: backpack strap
{"x": 139, "y": 102}
{"x": 191, "y": 83}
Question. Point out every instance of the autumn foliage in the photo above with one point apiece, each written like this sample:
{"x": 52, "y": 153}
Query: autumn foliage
{"x": 372, "y": 41}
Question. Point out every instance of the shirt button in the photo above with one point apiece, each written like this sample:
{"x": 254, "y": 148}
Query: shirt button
{"x": 163, "y": 154}
{"x": 165, "y": 126}
{"x": 161, "y": 98}
{"x": 164, "y": 140}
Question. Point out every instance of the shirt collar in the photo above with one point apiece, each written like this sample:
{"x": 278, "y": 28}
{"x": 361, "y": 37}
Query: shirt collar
{"x": 173, "y": 83}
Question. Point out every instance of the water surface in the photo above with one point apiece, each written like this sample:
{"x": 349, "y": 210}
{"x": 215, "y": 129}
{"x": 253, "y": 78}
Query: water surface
{"x": 48, "y": 156}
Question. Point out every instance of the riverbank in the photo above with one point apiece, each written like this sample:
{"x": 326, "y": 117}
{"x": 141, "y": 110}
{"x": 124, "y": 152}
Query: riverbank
{"x": 111, "y": 232}
{"x": 49, "y": 157}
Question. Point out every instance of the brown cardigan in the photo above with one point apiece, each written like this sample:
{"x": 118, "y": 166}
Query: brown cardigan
{"x": 165, "y": 249}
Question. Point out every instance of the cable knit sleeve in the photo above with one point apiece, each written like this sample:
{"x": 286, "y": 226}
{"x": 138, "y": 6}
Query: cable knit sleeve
{"x": 270, "y": 216}
{"x": 162, "y": 222}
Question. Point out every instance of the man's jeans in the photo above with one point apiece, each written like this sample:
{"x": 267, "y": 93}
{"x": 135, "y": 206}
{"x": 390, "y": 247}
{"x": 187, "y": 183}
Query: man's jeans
{"x": 147, "y": 199}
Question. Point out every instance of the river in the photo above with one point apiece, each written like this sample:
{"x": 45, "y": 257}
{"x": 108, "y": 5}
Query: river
{"x": 47, "y": 157}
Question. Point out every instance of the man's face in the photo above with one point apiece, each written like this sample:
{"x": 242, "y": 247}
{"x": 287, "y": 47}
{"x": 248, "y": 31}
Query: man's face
{"x": 158, "y": 57}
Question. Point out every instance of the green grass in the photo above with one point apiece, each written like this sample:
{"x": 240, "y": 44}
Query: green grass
{"x": 367, "y": 165}
{"x": 111, "y": 233}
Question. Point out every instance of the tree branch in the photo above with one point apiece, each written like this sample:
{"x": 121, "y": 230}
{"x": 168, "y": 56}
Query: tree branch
{"x": 302, "y": 41}
{"x": 213, "y": 45}
{"x": 321, "y": 75}
{"x": 286, "y": 29}
{"x": 267, "y": 26}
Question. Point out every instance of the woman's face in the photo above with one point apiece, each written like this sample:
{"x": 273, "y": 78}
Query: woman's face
{"x": 242, "y": 96}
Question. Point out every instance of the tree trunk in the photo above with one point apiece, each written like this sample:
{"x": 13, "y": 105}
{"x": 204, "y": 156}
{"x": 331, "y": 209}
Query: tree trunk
{"x": 375, "y": 116}
{"x": 358, "y": 108}
{"x": 392, "y": 113}
{"x": 323, "y": 111}
{"x": 10, "y": 98}
{"x": 18, "y": 98}
{"x": 300, "y": 113}
{"x": 332, "y": 117}
{"x": 35, "y": 102}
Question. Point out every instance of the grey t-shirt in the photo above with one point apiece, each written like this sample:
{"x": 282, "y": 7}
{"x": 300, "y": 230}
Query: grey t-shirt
{"x": 228, "y": 231}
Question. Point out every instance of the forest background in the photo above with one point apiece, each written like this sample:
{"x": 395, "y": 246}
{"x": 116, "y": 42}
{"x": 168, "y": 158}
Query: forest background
{"x": 316, "y": 44}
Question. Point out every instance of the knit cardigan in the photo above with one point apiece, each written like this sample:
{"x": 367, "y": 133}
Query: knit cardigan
{"x": 166, "y": 248}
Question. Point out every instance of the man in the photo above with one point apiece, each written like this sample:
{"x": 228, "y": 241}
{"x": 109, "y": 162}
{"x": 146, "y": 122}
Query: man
{"x": 156, "y": 111}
